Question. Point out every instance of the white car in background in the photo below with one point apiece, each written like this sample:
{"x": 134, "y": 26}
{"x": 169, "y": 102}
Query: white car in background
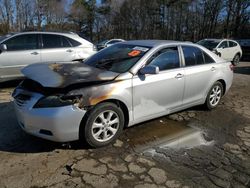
{"x": 107, "y": 43}
{"x": 18, "y": 50}
{"x": 229, "y": 50}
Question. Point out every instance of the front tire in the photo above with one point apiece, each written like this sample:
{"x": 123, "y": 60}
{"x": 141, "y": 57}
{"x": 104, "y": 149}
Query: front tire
{"x": 214, "y": 95}
{"x": 103, "y": 125}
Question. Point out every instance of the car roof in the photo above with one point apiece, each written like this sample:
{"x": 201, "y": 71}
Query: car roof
{"x": 66, "y": 34}
{"x": 116, "y": 39}
{"x": 48, "y": 32}
{"x": 152, "y": 43}
{"x": 216, "y": 40}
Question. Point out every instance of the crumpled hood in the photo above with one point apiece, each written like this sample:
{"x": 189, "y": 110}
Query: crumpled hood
{"x": 61, "y": 75}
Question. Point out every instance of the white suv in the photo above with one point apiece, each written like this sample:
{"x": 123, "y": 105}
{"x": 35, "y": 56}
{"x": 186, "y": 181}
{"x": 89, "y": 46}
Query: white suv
{"x": 21, "y": 49}
{"x": 227, "y": 49}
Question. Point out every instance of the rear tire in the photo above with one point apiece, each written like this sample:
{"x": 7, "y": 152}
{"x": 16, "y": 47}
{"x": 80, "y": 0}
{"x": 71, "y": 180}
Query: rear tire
{"x": 103, "y": 125}
{"x": 214, "y": 96}
{"x": 236, "y": 60}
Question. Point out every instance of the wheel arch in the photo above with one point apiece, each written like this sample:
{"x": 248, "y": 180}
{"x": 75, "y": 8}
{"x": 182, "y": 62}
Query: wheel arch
{"x": 223, "y": 84}
{"x": 123, "y": 107}
{"x": 238, "y": 53}
{"x": 117, "y": 102}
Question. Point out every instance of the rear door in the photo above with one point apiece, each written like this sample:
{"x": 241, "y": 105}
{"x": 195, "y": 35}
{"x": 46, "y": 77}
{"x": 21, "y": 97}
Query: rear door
{"x": 199, "y": 71}
{"x": 56, "y": 48}
{"x": 158, "y": 94}
{"x": 22, "y": 50}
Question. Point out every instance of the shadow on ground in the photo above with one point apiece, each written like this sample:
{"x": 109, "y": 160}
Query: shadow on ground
{"x": 242, "y": 70}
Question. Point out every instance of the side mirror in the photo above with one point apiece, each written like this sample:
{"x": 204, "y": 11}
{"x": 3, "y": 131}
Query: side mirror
{"x": 3, "y": 48}
{"x": 150, "y": 69}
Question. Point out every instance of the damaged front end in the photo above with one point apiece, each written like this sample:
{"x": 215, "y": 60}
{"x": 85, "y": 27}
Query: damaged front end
{"x": 53, "y": 107}
{"x": 62, "y": 85}
{"x": 80, "y": 95}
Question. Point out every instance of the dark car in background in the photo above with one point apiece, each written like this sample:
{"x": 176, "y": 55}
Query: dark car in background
{"x": 245, "y": 46}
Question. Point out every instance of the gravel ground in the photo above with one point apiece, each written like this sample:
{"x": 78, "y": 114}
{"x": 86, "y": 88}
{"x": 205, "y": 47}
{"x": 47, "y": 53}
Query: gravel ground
{"x": 26, "y": 161}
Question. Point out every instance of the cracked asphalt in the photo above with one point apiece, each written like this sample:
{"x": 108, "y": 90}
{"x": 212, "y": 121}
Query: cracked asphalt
{"x": 26, "y": 161}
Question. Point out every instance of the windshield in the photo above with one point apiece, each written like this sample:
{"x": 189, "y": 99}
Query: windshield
{"x": 209, "y": 44}
{"x": 117, "y": 58}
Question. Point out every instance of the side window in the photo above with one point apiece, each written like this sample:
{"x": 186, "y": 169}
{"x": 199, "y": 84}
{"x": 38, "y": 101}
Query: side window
{"x": 73, "y": 42}
{"x": 166, "y": 59}
{"x": 22, "y": 42}
{"x": 65, "y": 42}
{"x": 207, "y": 58}
{"x": 51, "y": 41}
{"x": 192, "y": 55}
{"x": 223, "y": 45}
{"x": 232, "y": 44}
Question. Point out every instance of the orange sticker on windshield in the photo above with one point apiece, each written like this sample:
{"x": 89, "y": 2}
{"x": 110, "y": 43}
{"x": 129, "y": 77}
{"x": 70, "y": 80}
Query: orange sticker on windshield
{"x": 134, "y": 53}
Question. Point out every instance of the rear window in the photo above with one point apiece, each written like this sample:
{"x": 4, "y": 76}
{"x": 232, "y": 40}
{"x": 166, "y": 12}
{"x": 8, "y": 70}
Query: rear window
{"x": 207, "y": 58}
{"x": 224, "y": 44}
{"x": 232, "y": 44}
{"x": 73, "y": 42}
{"x": 65, "y": 42}
{"x": 51, "y": 41}
{"x": 58, "y": 41}
{"x": 195, "y": 56}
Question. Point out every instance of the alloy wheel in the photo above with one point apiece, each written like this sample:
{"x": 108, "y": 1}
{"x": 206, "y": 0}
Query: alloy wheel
{"x": 215, "y": 95}
{"x": 105, "y": 126}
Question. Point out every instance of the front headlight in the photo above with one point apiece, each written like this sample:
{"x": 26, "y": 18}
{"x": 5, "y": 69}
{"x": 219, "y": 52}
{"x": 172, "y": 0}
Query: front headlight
{"x": 58, "y": 101}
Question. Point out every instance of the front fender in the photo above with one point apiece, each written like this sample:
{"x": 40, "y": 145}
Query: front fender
{"x": 117, "y": 90}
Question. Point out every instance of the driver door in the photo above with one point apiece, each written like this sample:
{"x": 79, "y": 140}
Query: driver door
{"x": 159, "y": 94}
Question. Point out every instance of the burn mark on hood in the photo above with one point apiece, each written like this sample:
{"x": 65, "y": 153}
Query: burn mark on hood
{"x": 64, "y": 75}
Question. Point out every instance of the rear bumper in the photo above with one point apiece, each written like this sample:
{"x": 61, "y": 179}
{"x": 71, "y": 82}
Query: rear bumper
{"x": 60, "y": 124}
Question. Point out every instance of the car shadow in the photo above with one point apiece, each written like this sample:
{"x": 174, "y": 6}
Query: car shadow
{"x": 14, "y": 139}
{"x": 242, "y": 70}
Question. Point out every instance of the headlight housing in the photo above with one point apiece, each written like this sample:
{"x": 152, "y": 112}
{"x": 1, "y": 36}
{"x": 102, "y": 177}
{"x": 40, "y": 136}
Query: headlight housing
{"x": 58, "y": 101}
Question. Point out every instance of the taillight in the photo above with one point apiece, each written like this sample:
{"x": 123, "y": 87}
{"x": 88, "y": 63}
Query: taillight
{"x": 231, "y": 67}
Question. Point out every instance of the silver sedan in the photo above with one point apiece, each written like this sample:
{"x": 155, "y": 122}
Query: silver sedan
{"x": 120, "y": 86}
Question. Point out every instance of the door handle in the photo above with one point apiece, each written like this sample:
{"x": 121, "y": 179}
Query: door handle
{"x": 179, "y": 75}
{"x": 213, "y": 69}
{"x": 34, "y": 53}
{"x": 69, "y": 50}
